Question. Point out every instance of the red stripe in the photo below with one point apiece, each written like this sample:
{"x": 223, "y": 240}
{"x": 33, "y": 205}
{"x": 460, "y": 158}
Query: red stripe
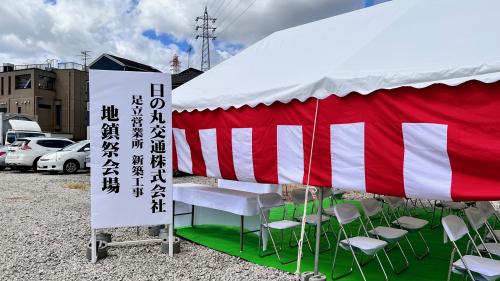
{"x": 384, "y": 156}
{"x": 321, "y": 164}
{"x": 470, "y": 110}
{"x": 474, "y": 142}
{"x": 265, "y": 154}
{"x": 225, "y": 151}
{"x": 175, "y": 164}
{"x": 193, "y": 139}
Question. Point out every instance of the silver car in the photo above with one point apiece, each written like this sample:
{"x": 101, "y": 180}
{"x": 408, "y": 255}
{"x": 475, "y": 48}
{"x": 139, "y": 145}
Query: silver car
{"x": 3, "y": 155}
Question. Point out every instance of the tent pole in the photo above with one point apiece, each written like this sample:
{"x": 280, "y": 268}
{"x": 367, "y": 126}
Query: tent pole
{"x": 303, "y": 223}
{"x": 318, "y": 230}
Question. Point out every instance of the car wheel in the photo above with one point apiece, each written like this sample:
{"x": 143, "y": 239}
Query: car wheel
{"x": 35, "y": 164}
{"x": 2, "y": 168}
{"x": 23, "y": 169}
{"x": 71, "y": 167}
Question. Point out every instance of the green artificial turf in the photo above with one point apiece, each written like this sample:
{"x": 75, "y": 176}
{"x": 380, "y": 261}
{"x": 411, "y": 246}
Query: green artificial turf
{"x": 433, "y": 267}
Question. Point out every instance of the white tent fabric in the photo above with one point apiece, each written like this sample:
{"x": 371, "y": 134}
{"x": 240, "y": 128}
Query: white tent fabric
{"x": 413, "y": 43}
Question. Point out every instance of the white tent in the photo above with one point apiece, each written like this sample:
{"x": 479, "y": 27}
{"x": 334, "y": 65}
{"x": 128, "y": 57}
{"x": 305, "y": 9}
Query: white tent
{"x": 413, "y": 43}
{"x": 397, "y": 99}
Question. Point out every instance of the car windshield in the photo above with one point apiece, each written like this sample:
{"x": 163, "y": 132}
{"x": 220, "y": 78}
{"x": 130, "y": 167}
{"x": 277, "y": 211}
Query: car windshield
{"x": 74, "y": 147}
{"x": 18, "y": 143}
{"x": 29, "y": 135}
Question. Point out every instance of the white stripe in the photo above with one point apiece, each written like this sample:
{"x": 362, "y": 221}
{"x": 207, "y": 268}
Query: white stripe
{"x": 183, "y": 151}
{"x": 427, "y": 170}
{"x": 347, "y": 144}
{"x": 242, "y": 154}
{"x": 208, "y": 138}
{"x": 290, "y": 154}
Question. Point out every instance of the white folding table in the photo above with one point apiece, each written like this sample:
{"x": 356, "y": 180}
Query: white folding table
{"x": 237, "y": 202}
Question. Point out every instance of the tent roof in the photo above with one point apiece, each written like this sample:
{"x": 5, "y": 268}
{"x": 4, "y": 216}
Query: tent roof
{"x": 399, "y": 43}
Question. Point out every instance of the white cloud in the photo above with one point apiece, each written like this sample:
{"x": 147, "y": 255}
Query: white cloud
{"x": 32, "y": 31}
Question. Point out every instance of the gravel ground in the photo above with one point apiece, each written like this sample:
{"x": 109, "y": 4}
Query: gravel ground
{"x": 44, "y": 228}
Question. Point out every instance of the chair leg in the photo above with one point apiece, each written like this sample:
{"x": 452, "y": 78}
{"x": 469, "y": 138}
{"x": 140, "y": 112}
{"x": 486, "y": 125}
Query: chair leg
{"x": 363, "y": 263}
{"x": 440, "y": 218}
{"x": 308, "y": 242}
{"x": 451, "y": 264}
{"x": 326, "y": 236}
{"x": 276, "y": 251}
{"x": 357, "y": 263}
{"x": 306, "y": 236}
{"x": 403, "y": 268}
{"x": 381, "y": 267}
{"x": 330, "y": 225}
{"x": 422, "y": 256}
{"x": 332, "y": 275}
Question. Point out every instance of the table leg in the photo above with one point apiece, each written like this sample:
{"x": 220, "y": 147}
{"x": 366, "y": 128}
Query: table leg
{"x": 192, "y": 215}
{"x": 173, "y": 216}
{"x": 242, "y": 222}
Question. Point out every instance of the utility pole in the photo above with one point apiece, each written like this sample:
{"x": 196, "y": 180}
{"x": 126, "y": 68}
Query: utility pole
{"x": 207, "y": 33}
{"x": 189, "y": 56}
{"x": 85, "y": 56}
{"x": 175, "y": 64}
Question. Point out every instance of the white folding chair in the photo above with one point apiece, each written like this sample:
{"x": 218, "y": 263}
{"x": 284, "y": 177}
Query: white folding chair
{"x": 346, "y": 214}
{"x": 298, "y": 197}
{"x": 267, "y": 202}
{"x": 489, "y": 212}
{"x": 372, "y": 207}
{"x": 477, "y": 221}
{"x": 408, "y": 223}
{"x": 452, "y": 207}
{"x": 476, "y": 267}
{"x": 335, "y": 195}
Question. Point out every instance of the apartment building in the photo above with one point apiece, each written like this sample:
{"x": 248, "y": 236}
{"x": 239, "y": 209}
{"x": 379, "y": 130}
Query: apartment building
{"x": 55, "y": 96}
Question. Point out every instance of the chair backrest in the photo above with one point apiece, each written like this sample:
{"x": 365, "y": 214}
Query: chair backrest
{"x": 346, "y": 213}
{"x": 486, "y": 208}
{"x": 371, "y": 206}
{"x": 454, "y": 227}
{"x": 298, "y": 196}
{"x": 454, "y": 205}
{"x": 270, "y": 200}
{"x": 394, "y": 202}
{"x": 475, "y": 217}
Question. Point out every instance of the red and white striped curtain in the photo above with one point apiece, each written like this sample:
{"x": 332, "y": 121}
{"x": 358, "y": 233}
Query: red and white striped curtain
{"x": 440, "y": 142}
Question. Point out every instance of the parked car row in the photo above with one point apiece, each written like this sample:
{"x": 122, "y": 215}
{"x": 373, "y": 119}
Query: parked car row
{"x": 45, "y": 154}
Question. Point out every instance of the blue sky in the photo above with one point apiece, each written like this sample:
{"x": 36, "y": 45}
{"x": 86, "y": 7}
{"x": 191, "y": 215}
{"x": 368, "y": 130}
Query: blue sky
{"x": 167, "y": 39}
{"x": 148, "y": 31}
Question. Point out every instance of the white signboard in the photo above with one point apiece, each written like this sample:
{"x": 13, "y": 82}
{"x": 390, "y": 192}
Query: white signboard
{"x": 131, "y": 140}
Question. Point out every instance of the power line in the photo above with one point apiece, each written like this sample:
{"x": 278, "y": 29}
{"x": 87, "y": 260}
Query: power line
{"x": 220, "y": 15}
{"x": 244, "y": 11}
{"x": 218, "y": 8}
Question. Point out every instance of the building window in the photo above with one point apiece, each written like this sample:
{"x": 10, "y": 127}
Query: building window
{"x": 46, "y": 83}
{"x": 58, "y": 115}
{"x": 19, "y": 109}
{"x": 9, "y": 87}
{"x": 1, "y": 86}
{"x": 23, "y": 81}
{"x": 45, "y": 106}
{"x": 3, "y": 109}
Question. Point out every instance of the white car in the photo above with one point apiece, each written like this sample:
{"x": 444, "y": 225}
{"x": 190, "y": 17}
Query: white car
{"x": 68, "y": 160}
{"x": 3, "y": 155}
{"x": 87, "y": 161}
{"x": 26, "y": 156}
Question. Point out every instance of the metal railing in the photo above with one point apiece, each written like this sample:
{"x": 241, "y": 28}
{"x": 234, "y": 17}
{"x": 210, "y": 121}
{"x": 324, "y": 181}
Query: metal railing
{"x": 43, "y": 66}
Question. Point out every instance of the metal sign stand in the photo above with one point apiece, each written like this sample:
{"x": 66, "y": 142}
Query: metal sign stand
{"x": 134, "y": 242}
